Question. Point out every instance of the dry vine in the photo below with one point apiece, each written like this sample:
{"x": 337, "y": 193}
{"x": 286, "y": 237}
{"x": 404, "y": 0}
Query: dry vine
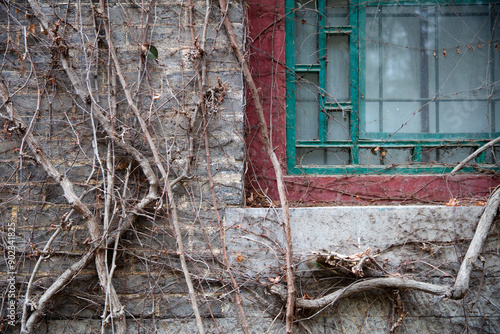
{"x": 133, "y": 179}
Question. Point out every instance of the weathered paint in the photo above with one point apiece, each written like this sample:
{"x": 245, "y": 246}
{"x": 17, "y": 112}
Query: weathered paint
{"x": 267, "y": 59}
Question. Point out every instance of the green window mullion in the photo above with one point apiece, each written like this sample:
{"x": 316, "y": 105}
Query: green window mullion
{"x": 357, "y": 85}
{"x": 417, "y": 153}
{"x": 290, "y": 79}
{"x": 307, "y": 68}
{"x": 481, "y": 159}
{"x": 322, "y": 73}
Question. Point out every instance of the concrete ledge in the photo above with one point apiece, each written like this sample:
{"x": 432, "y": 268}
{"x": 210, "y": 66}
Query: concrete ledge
{"x": 256, "y": 233}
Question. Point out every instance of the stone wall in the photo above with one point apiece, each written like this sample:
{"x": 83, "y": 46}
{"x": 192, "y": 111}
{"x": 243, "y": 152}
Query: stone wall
{"x": 148, "y": 275}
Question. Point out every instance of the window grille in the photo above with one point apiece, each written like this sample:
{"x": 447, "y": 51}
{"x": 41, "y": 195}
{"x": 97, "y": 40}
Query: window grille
{"x": 391, "y": 87}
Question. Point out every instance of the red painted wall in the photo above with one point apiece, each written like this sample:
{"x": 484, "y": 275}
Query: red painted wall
{"x": 266, "y": 49}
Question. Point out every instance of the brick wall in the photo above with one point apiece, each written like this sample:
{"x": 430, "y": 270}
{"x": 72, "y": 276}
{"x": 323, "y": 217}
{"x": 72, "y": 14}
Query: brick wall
{"x": 148, "y": 276}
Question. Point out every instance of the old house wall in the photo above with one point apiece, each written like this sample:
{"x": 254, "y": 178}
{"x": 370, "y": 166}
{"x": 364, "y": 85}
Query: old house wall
{"x": 148, "y": 276}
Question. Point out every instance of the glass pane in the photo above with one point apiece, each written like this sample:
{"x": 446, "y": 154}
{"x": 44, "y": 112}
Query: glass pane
{"x": 463, "y": 72}
{"x": 393, "y": 68}
{"x": 428, "y": 67}
{"x": 338, "y": 68}
{"x": 449, "y": 155}
{"x": 401, "y": 117}
{"x": 463, "y": 116}
{"x": 322, "y": 156}
{"x": 395, "y": 117}
{"x": 307, "y": 107}
{"x": 384, "y": 156}
{"x": 338, "y": 125}
{"x": 337, "y": 13}
{"x": 306, "y": 27}
{"x": 492, "y": 155}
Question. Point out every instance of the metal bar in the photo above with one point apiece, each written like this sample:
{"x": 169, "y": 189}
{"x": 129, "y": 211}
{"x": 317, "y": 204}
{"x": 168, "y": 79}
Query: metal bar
{"x": 417, "y": 153}
{"x": 436, "y": 73}
{"x": 387, "y": 136}
{"x": 356, "y": 43}
{"x": 381, "y": 143}
{"x": 380, "y": 77}
{"x": 493, "y": 12}
{"x": 429, "y": 99}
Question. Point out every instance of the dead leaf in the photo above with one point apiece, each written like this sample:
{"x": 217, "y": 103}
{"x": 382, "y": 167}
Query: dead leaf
{"x": 452, "y": 202}
{"x": 275, "y": 280}
{"x": 239, "y": 258}
{"x": 480, "y": 203}
{"x": 32, "y": 29}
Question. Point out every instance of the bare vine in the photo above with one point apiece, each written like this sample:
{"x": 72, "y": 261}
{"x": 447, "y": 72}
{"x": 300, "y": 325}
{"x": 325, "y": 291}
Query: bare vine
{"x": 142, "y": 170}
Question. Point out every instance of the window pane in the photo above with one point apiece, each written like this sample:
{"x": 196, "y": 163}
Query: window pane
{"x": 338, "y": 125}
{"x": 463, "y": 72}
{"x": 398, "y": 117}
{"x": 449, "y": 155}
{"x": 320, "y": 156}
{"x": 307, "y": 107}
{"x": 492, "y": 155}
{"x": 495, "y": 116}
{"x": 337, "y": 13}
{"x": 338, "y": 69}
{"x": 384, "y": 156}
{"x": 306, "y": 37}
{"x": 463, "y": 116}
{"x": 391, "y": 64}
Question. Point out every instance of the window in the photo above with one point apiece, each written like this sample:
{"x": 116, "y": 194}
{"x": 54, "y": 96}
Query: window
{"x": 390, "y": 87}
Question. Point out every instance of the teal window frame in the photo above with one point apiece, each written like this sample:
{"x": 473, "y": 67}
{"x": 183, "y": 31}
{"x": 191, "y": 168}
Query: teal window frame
{"x": 359, "y": 139}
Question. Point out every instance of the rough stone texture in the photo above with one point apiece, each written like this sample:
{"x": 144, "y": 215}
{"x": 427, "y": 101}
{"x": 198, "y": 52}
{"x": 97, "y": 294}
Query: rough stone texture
{"x": 147, "y": 278}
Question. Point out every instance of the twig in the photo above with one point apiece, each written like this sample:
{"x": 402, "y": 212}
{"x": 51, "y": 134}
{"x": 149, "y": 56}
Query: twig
{"x": 200, "y": 60}
{"x": 361, "y": 286}
{"x": 117, "y": 310}
{"x": 457, "y": 291}
{"x": 290, "y": 276}
{"x": 67, "y": 187}
{"x": 474, "y": 155}
{"x": 158, "y": 162}
{"x": 463, "y": 277}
